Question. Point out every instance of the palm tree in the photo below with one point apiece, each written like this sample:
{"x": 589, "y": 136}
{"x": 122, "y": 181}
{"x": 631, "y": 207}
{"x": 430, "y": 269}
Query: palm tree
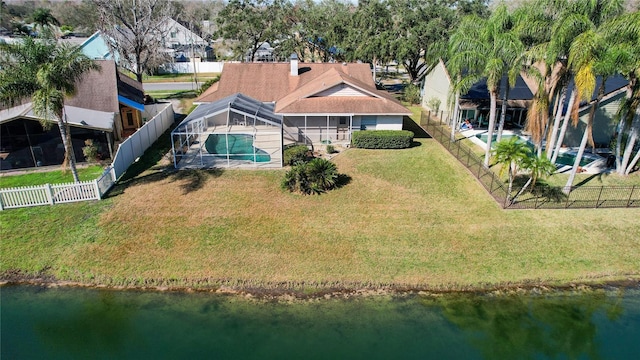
{"x": 589, "y": 56}
{"x": 623, "y": 34}
{"x": 485, "y": 48}
{"x": 44, "y": 19}
{"x": 512, "y": 154}
{"x": 537, "y": 166}
{"x": 44, "y": 72}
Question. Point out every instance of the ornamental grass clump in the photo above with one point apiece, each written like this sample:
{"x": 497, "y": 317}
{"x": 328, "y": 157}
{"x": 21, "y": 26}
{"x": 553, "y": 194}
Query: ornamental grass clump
{"x": 297, "y": 154}
{"x": 313, "y": 177}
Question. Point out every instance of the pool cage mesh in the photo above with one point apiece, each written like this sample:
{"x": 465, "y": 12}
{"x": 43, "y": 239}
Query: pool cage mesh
{"x": 236, "y": 131}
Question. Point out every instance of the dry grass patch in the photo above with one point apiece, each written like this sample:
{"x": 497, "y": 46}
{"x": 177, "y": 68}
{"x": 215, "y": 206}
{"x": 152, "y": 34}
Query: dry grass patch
{"x": 412, "y": 216}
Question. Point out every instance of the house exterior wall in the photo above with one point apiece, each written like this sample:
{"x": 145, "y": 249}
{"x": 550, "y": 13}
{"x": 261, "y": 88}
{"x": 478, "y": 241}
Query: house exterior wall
{"x": 179, "y": 35}
{"x": 604, "y": 126}
{"x": 436, "y": 87}
{"x": 341, "y": 90}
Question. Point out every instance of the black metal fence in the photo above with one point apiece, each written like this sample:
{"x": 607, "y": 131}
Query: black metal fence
{"x": 540, "y": 197}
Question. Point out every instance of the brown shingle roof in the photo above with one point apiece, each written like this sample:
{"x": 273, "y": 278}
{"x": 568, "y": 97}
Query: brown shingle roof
{"x": 99, "y": 90}
{"x": 272, "y": 82}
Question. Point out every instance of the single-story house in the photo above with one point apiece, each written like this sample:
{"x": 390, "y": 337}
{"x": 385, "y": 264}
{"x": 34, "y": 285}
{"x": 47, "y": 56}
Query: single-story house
{"x": 306, "y": 103}
{"x": 106, "y": 108}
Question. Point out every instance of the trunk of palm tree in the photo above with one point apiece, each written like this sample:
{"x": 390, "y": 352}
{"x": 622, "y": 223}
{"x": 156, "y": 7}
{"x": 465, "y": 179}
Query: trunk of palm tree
{"x": 622, "y": 162}
{"x": 492, "y": 125}
{"x": 551, "y": 139}
{"x": 503, "y": 112}
{"x": 576, "y": 163}
{"x": 454, "y": 120}
{"x": 631, "y": 142}
{"x": 632, "y": 163}
{"x": 70, "y": 157}
{"x": 563, "y": 129}
{"x": 585, "y": 137}
{"x": 511, "y": 176}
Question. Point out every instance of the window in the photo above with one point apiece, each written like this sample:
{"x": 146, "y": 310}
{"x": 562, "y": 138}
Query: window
{"x": 130, "y": 118}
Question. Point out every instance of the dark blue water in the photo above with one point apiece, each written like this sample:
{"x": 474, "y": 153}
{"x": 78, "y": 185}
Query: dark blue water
{"x": 69, "y": 323}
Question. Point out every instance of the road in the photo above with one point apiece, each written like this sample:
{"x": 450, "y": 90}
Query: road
{"x": 172, "y": 86}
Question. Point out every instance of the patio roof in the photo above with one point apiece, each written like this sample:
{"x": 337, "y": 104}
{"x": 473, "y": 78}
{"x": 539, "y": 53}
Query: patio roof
{"x": 84, "y": 118}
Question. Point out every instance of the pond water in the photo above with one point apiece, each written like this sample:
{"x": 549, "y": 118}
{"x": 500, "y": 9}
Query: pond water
{"x": 68, "y": 323}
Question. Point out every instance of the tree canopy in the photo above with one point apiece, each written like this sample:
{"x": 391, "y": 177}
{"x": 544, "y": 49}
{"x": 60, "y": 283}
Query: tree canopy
{"x": 134, "y": 31}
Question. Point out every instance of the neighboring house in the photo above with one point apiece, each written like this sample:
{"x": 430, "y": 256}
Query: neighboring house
{"x": 184, "y": 43}
{"x": 95, "y": 47}
{"x": 106, "y": 108}
{"x": 604, "y": 126}
{"x": 475, "y": 104}
{"x": 271, "y": 105}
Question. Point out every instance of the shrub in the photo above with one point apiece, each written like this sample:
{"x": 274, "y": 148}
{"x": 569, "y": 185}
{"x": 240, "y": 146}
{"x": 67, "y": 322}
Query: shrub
{"x": 207, "y": 84}
{"x": 382, "y": 139}
{"x": 90, "y": 151}
{"x": 296, "y": 154}
{"x": 331, "y": 149}
{"x": 412, "y": 94}
{"x": 434, "y": 104}
{"x": 313, "y": 177}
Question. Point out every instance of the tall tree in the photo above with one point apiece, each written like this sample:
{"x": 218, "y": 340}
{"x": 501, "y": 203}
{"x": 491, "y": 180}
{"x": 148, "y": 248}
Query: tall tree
{"x": 487, "y": 49}
{"x": 43, "y": 17}
{"x": 590, "y": 56}
{"x": 134, "y": 31}
{"x": 420, "y": 34}
{"x": 250, "y": 23}
{"x": 371, "y": 35}
{"x": 44, "y": 72}
{"x": 623, "y": 34}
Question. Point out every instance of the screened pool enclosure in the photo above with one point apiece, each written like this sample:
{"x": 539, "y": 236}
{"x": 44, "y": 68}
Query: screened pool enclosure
{"x": 237, "y": 131}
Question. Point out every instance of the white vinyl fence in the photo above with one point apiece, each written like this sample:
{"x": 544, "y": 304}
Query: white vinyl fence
{"x": 128, "y": 151}
{"x": 187, "y": 68}
{"x": 135, "y": 145}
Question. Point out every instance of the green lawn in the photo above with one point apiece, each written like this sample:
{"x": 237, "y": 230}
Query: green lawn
{"x": 407, "y": 217}
{"x": 174, "y": 77}
{"x": 38, "y": 177}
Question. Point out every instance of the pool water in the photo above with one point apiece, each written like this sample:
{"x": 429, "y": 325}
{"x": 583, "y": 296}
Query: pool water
{"x": 569, "y": 159}
{"x": 240, "y": 147}
{"x": 563, "y": 159}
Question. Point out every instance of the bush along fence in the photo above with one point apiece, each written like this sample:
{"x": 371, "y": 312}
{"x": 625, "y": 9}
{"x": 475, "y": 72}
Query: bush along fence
{"x": 539, "y": 197}
{"x": 127, "y": 153}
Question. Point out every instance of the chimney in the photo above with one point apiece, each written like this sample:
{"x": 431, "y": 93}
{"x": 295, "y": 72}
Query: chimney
{"x": 294, "y": 64}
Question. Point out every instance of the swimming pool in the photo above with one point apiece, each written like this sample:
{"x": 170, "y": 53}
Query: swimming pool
{"x": 568, "y": 158}
{"x": 483, "y": 138}
{"x": 564, "y": 158}
{"x": 236, "y": 146}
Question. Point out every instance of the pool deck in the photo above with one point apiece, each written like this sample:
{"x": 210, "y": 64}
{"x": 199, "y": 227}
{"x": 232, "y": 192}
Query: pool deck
{"x": 597, "y": 166}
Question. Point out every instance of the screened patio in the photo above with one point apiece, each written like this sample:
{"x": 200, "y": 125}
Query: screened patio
{"x": 236, "y": 131}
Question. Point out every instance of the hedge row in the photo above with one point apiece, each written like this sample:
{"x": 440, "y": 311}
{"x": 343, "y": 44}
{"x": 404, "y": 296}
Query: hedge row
{"x": 382, "y": 139}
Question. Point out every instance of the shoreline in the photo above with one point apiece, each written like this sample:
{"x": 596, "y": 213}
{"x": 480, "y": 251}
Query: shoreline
{"x": 300, "y": 291}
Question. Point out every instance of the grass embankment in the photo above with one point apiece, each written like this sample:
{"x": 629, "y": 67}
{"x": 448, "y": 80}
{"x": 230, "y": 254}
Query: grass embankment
{"x": 410, "y": 217}
{"x": 38, "y": 177}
